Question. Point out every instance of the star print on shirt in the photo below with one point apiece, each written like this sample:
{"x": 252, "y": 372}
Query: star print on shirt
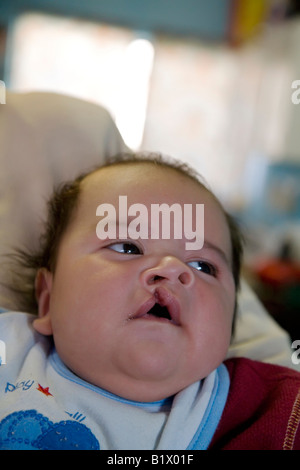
{"x": 45, "y": 390}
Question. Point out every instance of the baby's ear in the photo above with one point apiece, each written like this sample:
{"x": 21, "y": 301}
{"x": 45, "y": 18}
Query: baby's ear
{"x": 43, "y": 287}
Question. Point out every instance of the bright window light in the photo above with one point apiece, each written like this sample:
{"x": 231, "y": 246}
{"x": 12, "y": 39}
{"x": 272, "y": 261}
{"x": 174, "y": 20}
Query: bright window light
{"x": 132, "y": 103}
{"x": 97, "y": 62}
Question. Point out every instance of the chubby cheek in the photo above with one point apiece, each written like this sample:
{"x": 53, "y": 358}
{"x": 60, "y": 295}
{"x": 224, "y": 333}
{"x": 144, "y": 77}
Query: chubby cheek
{"x": 79, "y": 333}
{"x": 213, "y": 324}
{"x": 86, "y": 303}
{"x": 84, "y": 284}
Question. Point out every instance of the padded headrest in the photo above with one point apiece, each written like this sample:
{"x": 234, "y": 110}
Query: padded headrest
{"x": 45, "y": 138}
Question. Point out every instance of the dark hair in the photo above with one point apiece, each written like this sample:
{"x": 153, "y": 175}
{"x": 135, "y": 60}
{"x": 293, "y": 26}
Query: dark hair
{"x": 62, "y": 206}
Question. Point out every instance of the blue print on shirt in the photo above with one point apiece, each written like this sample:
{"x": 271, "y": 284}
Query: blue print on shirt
{"x": 30, "y": 430}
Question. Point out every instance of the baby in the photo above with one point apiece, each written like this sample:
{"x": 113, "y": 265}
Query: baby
{"x": 134, "y": 323}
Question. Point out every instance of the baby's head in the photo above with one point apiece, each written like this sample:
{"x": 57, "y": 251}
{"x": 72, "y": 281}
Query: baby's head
{"x": 135, "y": 312}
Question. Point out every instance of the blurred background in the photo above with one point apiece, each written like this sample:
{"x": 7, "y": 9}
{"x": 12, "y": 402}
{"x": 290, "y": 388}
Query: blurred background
{"x": 216, "y": 84}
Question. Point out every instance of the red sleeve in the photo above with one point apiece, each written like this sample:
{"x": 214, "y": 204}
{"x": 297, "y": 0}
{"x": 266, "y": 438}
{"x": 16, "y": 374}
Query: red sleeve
{"x": 262, "y": 410}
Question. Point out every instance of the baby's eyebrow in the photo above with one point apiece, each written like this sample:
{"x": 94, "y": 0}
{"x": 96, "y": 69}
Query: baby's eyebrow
{"x": 219, "y": 251}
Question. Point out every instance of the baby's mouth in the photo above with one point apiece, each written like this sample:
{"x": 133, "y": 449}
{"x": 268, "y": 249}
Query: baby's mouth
{"x": 160, "y": 311}
{"x": 163, "y": 306}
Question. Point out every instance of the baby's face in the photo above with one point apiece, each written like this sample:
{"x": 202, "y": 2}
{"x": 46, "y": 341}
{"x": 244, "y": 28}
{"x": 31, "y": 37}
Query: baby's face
{"x": 140, "y": 318}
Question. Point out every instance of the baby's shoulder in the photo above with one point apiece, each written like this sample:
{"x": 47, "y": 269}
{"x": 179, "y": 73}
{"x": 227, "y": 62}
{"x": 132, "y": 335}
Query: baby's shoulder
{"x": 17, "y": 338}
{"x": 12, "y": 324}
{"x": 262, "y": 409}
{"x": 243, "y": 370}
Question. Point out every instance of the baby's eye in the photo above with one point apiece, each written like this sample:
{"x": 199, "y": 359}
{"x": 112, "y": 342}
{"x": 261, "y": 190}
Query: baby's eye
{"x": 204, "y": 267}
{"x": 126, "y": 248}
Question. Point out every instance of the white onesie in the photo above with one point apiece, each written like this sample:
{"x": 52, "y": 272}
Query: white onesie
{"x": 43, "y": 405}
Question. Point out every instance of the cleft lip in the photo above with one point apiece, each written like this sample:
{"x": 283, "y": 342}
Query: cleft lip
{"x": 164, "y": 298}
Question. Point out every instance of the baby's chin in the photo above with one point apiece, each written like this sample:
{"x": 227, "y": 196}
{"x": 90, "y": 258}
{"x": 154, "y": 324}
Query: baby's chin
{"x": 143, "y": 390}
{"x": 151, "y": 362}
{"x": 147, "y": 382}
{"x": 149, "y": 385}
{"x": 154, "y": 381}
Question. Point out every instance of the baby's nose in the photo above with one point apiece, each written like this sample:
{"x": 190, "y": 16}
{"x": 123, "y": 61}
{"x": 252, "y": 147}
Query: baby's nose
{"x": 168, "y": 269}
